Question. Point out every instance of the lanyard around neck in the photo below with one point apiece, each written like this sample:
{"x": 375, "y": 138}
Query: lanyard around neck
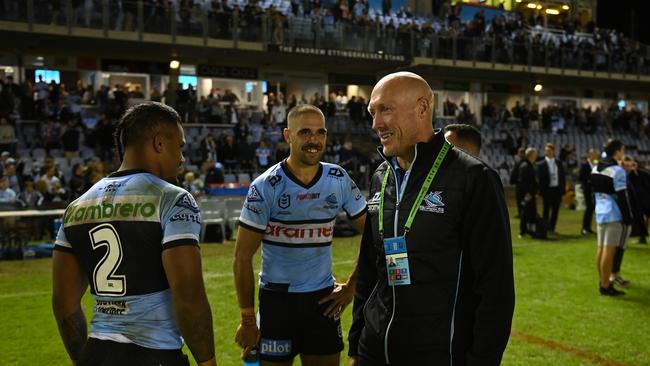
{"x": 423, "y": 190}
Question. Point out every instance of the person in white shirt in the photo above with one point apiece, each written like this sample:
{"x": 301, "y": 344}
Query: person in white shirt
{"x": 552, "y": 180}
{"x": 7, "y": 195}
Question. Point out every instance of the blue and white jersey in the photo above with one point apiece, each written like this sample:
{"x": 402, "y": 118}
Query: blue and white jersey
{"x": 298, "y": 224}
{"x": 118, "y": 230}
{"x": 607, "y": 182}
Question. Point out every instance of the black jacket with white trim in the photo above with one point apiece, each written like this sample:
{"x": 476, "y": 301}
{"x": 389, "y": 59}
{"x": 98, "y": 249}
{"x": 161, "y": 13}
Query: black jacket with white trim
{"x": 458, "y": 308}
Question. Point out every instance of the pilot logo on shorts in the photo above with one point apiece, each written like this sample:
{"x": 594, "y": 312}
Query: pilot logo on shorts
{"x": 275, "y": 347}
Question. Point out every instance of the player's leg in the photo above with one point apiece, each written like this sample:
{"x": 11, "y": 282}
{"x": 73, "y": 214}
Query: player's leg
{"x": 321, "y": 360}
{"x": 277, "y": 314}
{"x": 322, "y": 341}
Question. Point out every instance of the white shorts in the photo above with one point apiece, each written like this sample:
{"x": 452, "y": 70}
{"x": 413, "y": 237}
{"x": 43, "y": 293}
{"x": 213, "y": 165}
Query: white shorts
{"x": 613, "y": 234}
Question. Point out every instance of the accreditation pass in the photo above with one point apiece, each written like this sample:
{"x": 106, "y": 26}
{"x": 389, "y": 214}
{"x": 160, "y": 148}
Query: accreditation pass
{"x": 397, "y": 261}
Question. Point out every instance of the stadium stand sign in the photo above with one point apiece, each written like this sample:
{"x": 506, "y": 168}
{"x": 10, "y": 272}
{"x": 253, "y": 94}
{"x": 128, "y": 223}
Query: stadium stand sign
{"x": 227, "y": 72}
{"x": 341, "y": 53}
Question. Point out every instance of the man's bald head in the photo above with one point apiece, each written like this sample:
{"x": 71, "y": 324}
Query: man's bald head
{"x": 402, "y": 108}
{"x": 411, "y": 86}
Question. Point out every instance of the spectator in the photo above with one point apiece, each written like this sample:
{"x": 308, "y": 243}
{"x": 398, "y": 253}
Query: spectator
{"x": 7, "y": 136}
{"x": 192, "y": 184}
{"x": 70, "y": 138}
{"x": 209, "y": 148}
{"x": 50, "y": 180}
{"x": 30, "y": 197}
{"x": 7, "y": 195}
{"x": 77, "y": 185}
{"x": 228, "y": 153}
{"x": 587, "y": 190}
{"x": 11, "y": 175}
{"x": 527, "y": 188}
{"x": 262, "y": 154}
{"x": 552, "y": 181}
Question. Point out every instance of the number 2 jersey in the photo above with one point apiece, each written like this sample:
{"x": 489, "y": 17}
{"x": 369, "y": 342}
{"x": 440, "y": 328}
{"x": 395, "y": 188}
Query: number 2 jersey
{"x": 297, "y": 221}
{"x": 118, "y": 230}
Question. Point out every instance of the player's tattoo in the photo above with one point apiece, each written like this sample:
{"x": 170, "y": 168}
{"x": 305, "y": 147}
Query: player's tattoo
{"x": 200, "y": 339}
{"x": 73, "y": 332}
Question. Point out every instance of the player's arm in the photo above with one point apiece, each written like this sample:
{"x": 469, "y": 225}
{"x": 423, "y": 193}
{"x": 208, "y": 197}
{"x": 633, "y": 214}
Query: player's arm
{"x": 248, "y": 241}
{"x": 69, "y": 283}
{"x": 366, "y": 280}
{"x": 343, "y": 293}
{"x": 182, "y": 264}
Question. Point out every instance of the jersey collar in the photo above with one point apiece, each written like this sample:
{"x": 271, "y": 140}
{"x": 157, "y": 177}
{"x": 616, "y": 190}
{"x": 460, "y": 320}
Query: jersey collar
{"x": 124, "y": 173}
{"x": 295, "y": 179}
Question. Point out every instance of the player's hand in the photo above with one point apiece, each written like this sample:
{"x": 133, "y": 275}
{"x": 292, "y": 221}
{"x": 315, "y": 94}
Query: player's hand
{"x": 247, "y": 336}
{"x": 354, "y": 361}
{"x": 340, "y": 297}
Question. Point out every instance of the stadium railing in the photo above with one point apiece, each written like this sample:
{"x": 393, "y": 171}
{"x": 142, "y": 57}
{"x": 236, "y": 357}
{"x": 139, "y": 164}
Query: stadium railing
{"x": 141, "y": 20}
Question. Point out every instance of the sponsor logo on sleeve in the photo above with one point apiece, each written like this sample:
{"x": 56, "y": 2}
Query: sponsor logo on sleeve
{"x": 196, "y": 218}
{"x": 335, "y": 172}
{"x": 274, "y": 180}
{"x": 254, "y": 209}
{"x": 373, "y": 203}
{"x": 275, "y": 347}
{"x": 188, "y": 202}
{"x": 254, "y": 195}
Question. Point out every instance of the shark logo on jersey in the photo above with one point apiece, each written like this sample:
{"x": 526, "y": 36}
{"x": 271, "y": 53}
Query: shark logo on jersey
{"x": 254, "y": 195}
{"x": 188, "y": 201}
{"x": 285, "y": 201}
{"x": 433, "y": 203}
{"x": 331, "y": 201}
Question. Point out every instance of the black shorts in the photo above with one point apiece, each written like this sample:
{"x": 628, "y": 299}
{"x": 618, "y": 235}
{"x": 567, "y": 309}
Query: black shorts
{"x": 293, "y": 323}
{"x": 108, "y": 353}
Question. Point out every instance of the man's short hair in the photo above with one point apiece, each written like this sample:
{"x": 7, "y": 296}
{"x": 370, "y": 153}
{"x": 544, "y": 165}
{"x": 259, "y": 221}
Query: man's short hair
{"x": 548, "y": 144}
{"x": 530, "y": 151}
{"x": 466, "y": 133}
{"x": 303, "y": 109}
{"x": 140, "y": 122}
{"x": 612, "y": 146}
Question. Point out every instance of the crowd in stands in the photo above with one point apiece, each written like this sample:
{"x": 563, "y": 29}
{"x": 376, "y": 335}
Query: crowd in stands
{"x": 517, "y": 36}
{"x": 49, "y": 149}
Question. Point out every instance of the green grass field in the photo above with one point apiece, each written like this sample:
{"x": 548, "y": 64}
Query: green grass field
{"x": 560, "y": 319}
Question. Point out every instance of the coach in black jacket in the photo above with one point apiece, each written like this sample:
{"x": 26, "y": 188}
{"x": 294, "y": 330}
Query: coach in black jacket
{"x": 584, "y": 177}
{"x": 551, "y": 178}
{"x": 458, "y": 305}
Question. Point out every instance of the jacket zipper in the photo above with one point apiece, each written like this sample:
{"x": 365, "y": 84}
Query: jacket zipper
{"x": 395, "y": 221}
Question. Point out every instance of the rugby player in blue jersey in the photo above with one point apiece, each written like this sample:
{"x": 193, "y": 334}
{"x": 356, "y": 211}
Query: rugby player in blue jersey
{"x": 291, "y": 209}
{"x": 133, "y": 237}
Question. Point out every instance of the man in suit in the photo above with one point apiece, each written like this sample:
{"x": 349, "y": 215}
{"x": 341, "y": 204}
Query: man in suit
{"x": 551, "y": 178}
{"x": 527, "y": 191}
{"x": 587, "y": 190}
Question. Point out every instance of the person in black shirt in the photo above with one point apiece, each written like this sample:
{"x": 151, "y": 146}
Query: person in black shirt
{"x": 527, "y": 189}
{"x": 587, "y": 191}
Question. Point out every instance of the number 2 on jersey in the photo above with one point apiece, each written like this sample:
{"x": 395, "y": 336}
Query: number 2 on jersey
{"x": 106, "y": 282}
